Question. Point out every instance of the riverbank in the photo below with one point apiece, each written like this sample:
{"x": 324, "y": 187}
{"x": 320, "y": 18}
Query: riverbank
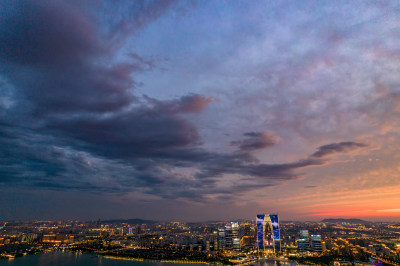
{"x": 122, "y": 258}
{"x": 157, "y": 261}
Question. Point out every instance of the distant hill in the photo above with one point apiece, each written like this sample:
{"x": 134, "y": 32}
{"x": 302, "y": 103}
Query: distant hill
{"x": 342, "y": 220}
{"x": 129, "y": 221}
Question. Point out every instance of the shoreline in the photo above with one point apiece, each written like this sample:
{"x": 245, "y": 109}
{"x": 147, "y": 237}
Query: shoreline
{"x": 170, "y": 261}
{"x": 160, "y": 261}
{"x": 184, "y": 261}
{"x": 121, "y": 258}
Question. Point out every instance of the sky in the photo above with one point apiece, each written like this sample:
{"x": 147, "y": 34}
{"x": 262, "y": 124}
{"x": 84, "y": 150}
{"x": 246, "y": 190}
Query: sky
{"x": 199, "y": 110}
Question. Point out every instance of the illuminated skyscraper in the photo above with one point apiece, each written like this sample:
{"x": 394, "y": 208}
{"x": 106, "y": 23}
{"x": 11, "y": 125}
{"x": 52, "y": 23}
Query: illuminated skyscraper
{"x": 302, "y": 245}
{"x": 235, "y": 236}
{"x": 221, "y": 239}
{"x": 316, "y": 243}
{"x": 228, "y": 237}
{"x": 235, "y": 229}
{"x": 268, "y": 234}
{"x": 247, "y": 230}
{"x": 303, "y": 242}
{"x": 247, "y": 241}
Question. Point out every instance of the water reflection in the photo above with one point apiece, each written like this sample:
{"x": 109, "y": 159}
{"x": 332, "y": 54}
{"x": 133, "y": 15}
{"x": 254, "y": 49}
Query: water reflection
{"x": 78, "y": 259}
{"x": 66, "y": 258}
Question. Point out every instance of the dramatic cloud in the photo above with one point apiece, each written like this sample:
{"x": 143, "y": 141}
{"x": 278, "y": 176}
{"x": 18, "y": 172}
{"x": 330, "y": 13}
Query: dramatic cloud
{"x": 256, "y": 141}
{"x": 52, "y": 56}
{"x": 341, "y": 147}
{"x": 143, "y": 131}
{"x": 38, "y": 33}
{"x": 192, "y": 103}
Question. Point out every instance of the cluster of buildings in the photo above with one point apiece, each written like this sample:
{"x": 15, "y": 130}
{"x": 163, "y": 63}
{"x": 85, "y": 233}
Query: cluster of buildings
{"x": 309, "y": 243}
{"x": 265, "y": 236}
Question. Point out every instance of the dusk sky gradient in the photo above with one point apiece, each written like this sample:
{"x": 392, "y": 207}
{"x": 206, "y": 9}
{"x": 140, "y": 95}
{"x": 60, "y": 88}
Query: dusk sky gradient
{"x": 199, "y": 110}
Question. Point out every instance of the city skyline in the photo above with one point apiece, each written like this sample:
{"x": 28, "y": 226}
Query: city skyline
{"x": 228, "y": 243}
{"x": 195, "y": 111}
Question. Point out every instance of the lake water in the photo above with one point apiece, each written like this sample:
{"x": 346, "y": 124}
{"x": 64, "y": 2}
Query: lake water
{"x": 86, "y": 259}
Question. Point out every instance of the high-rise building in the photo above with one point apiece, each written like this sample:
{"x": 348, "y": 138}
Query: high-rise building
{"x": 247, "y": 229}
{"x": 316, "y": 243}
{"x": 216, "y": 245}
{"x": 247, "y": 241}
{"x": 221, "y": 239}
{"x": 236, "y": 243}
{"x": 235, "y": 229}
{"x": 268, "y": 234}
{"x": 302, "y": 245}
{"x": 303, "y": 242}
{"x": 208, "y": 245}
{"x": 235, "y": 236}
{"x": 228, "y": 237}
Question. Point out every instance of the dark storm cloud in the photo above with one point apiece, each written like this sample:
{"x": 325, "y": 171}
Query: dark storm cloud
{"x": 32, "y": 159}
{"x": 256, "y": 141}
{"x": 59, "y": 58}
{"x": 192, "y": 103}
{"x": 262, "y": 174}
{"x": 58, "y": 68}
{"x": 21, "y": 158}
{"x": 341, "y": 147}
{"x": 39, "y": 33}
{"x": 45, "y": 49}
{"x": 143, "y": 131}
{"x": 57, "y": 32}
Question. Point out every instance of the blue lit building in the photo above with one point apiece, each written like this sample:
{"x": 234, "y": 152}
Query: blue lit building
{"x": 268, "y": 234}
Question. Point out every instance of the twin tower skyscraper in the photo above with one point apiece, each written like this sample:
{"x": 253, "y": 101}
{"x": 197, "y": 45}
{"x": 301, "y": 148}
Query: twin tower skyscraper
{"x": 268, "y": 234}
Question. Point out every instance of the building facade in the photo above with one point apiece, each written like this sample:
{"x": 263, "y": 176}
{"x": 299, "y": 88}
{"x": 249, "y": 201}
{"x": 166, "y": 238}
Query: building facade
{"x": 268, "y": 234}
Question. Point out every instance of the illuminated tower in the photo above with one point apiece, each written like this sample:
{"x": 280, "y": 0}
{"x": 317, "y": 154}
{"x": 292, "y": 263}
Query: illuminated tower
{"x": 221, "y": 239}
{"x": 268, "y": 235}
{"x": 303, "y": 243}
{"x": 235, "y": 236}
